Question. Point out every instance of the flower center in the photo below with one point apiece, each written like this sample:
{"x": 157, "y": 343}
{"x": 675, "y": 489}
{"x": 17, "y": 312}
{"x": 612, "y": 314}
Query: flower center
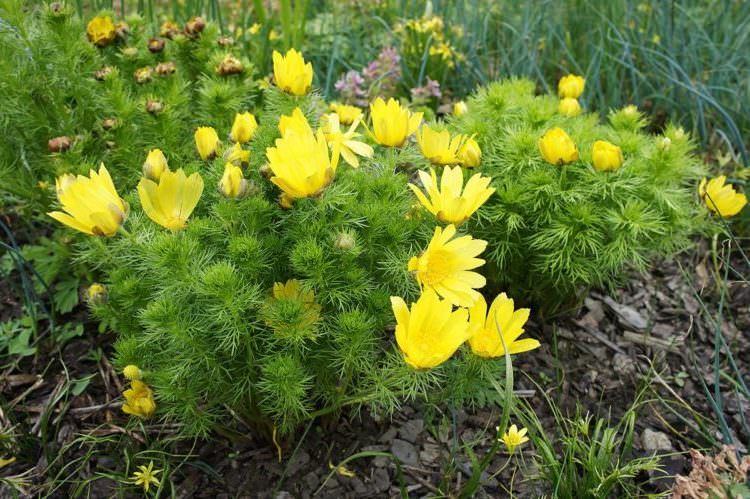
{"x": 438, "y": 268}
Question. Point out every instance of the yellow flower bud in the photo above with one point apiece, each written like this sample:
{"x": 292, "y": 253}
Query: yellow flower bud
{"x": 630, "y": 111}
{"x": 470, "y": 154}
{"x": 206, "y": 141}
{"x": 237, "y": 155}
{"x": 232, "y": 184}
{"x": 96, "y": 294}
{"x": 460, "y": 108}
{"x": 391, "y": 123}
{"x": 155, "y": 164}
{"x": 101, "y": 31}
{"x": 557, "y": 147}
{"x": 571, "y": 86}
{"x": 243, "y": 128}
{"x": 606, "y": 156}
{"x": 569, "y": 107}
{"x": 132, "y": 372}
{"x": 291, "y": 73}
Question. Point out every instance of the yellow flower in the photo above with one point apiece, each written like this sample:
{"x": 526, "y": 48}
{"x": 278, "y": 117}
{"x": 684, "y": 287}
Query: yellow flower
{"x": 569, "y": 107}
{"x": 91, "y": 203}
{"x": 232, "y": 183}
{"x": 445, "y": 267}
{"x": 344, "y": 141}
{"x": 206, "y": 141}
{"x": 571, "y": 86}
{"x": 296, "y": 123}
{"x": 273, "y": 35}
{"x": 96, "y": 294}
{"x": 630, "y": 111}
{"x": 101, "y": 31}
{"x": 448, "y": 203}
{"x": 254, "y": 29}
{"x": 557, "y": 147}
{"x": 470, "y": 154}
{"x": 460, "y": 108}
{"x": 155, "y": 164}
{"x": 721, "y": 198}
{"x": 290, "y": 72}
{"x": 438, "y": 147}
{"x": 431, "y": 332}
{"x": 606, "y": 156}
{"x": 347, "y": 114}
{"x": 139, "y": 400}
{"x": 391, "y": 123}
{"x": 502, "y": 321}
{"x": 514, "y": 437}
{"x": 243, "y": 128}
{"x": 309, "y": 311}
{"x": 146, "y": 476}
{"x": 301, "y": 165}
{"x": 132, "y": 372}
{"x": 237, "y": 155}
{"x": 171, "y": 202}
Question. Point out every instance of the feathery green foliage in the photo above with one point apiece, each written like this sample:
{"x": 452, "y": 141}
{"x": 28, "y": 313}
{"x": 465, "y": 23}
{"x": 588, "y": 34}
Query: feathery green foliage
{"x": 555, "y": 231}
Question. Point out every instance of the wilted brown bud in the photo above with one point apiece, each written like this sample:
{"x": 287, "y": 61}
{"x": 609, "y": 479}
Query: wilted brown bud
{"x": 169, "y": 29}
{"x": 122, "y": 30}
{"x": 154, "y": 106}
{"x": 265, "y": 170}
{"x": 143, "y": 75}
{"x": 165, "y": 68}
{"x": 109, "y": 123}
{"x": 194, "y": 26}
{"x": 155, "y": 45}
{"x": 59, "y": 144}
{"x": 57, "y": 8}
{"x": 229, "y": 66}
{"x": 101, "y": 74}
{"x": 225, "y": 41}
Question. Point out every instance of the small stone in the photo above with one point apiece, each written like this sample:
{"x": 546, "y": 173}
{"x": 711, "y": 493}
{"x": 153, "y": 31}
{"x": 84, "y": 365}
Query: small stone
{"x": 311, "y": 480}
{"x": 623, "y": 365}
{"x": 652, "y": 440}
{"x": 411, "y": 430}
{"x": 405, "y": 452}
{"x": 298, "y": 462}
{"x": 430, "y": 454}
{"x": 380, "y": 480}
{"x": 389, "y": 435}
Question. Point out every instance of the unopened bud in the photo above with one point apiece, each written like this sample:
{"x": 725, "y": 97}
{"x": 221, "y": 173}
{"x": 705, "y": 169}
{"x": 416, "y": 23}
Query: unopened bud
{"x": 154, "y": 106}
{"x": 101, "y": 74}
{"x": 96, "y": 294}
{"x": 230, "y": 65}
{"x": 143, "y": 75}
{"x": 165, "y": 68}
{"x": 345, "y": 241}
{"x": 132, "y": 372}
{"x": 155, "y": 45}
{"x": 59, "y": 144}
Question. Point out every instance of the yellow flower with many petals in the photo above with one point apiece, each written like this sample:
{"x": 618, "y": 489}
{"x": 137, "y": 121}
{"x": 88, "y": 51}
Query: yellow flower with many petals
{"x": 431, "y": 332}
{"x": 344, "y": 141}
{"x": 146, "y": 476}
{"x": 170, "y": 202}
{"x": 232, "y": 184}
{"x": 460, "y": 108}
{"x": 571, "y": 86}
{"x": 347, "y": 114}
{"x": 557, "y": 147}
{"x": 296, "y": 122}
{"x": 470, "y": 154}
{"x": 499, "y": 329}
{"x": 91, "y": 204}
{"x": 101, "y": 31}
{"x": 445, "y": 267}
{"x": 290, "y": 72}
{"x": 721, "y": 198}
{"x": 569, "y": 107}
{"x": 391, "y": 123}
{"x": 514, "y": 437}
{"x": 243, "y": 128}
{"x": 301, "y": 165}
{"x": 606, "y": 156}
{"x": 139, "y": 400}
{"x": 206, "y": 142}
{"x": 438, "y": 147}
{"x": 155, "y": 164}
{"x": 451, "y": 203}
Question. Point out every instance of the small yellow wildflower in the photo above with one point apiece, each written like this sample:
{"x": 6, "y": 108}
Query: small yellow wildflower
{"x": 344, "y": 141}
{"x": 514, "y": 437}
{"x": 146, "y": 476}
